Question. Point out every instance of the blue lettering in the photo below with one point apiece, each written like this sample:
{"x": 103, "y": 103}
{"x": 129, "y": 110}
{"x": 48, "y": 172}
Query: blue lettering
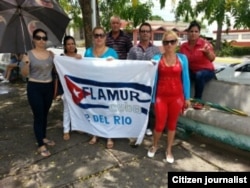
{"x": 122, "y": 120}
{"x": 101, "y": 119}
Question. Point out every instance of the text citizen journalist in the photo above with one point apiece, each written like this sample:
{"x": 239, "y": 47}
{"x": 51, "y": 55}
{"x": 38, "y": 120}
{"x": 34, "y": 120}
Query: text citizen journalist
{"x": 207, "y": 180}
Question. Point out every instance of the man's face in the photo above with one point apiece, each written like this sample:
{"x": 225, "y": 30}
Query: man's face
{"x": 145, "y": 33}
{"x": 115, "y": 24}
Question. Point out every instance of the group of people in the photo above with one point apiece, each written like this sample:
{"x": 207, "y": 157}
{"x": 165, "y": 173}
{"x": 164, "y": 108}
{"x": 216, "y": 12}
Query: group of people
{"x": 171, "y": 90}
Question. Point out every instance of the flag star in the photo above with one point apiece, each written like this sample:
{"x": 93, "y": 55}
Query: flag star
{"x": 76, "y": 93}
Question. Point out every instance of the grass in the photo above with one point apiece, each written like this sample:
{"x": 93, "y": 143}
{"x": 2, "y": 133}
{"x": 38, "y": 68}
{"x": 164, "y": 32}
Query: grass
{"x": 228, "y": 60}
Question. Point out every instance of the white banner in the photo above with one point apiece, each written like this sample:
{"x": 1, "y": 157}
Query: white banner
{"x": 107, "y": 98}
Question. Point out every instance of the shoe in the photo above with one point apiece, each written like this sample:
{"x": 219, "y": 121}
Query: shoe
{"x": 5, "y": 81}
{"x": 169, "y": 158}
{"x": 1, "y": 77}
{"x": 43, "y": 151}
{"x": 48, "y": 142}
{"x": 149, "y": 132}
{"x": 110, "y": 144}
{"x": 152, "y": 151}
{"x": 198, "y": 106}
{"x": 93, "y": 140}
{"x": 66, "y": 136}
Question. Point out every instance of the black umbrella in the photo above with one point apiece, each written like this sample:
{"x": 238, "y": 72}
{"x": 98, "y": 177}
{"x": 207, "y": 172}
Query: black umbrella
{"x": 19, "y": 18}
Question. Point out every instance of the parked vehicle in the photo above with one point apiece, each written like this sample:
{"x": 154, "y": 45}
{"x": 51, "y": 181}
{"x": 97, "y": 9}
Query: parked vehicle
{"x": 236, "y": 72}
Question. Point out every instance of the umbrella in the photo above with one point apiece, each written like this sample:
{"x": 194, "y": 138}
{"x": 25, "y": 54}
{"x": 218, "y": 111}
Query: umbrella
{"x": 19, "y": 18}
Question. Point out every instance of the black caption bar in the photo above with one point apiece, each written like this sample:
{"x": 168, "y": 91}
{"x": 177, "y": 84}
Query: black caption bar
{"x": 208, "y": 179}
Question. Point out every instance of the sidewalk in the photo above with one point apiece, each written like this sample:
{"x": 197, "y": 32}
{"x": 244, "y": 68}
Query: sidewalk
{"x": 77, "y": 164}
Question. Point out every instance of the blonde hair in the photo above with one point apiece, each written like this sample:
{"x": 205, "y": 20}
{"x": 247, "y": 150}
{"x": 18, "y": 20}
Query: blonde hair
{"x": 98, "y": 27}
{"x": 171, "y": 33}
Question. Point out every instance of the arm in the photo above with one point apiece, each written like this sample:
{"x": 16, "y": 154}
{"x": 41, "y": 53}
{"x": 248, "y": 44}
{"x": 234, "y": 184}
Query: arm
{"x": 25, "y": 66}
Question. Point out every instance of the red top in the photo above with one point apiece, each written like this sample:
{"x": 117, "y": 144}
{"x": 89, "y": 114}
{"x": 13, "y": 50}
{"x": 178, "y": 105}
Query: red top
{"x": 169, "y": 80}
{"x": 196, "y": 58}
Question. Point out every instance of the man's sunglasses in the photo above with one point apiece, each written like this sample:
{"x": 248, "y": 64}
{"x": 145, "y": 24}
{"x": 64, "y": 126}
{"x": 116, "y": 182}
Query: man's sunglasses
{"x": 99, "y": 35}
{"x": 40, "y": 38}
{"x": 167, "y": 42}
{"x": 145, "y": 31}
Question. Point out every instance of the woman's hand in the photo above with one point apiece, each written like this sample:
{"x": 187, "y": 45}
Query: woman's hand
{"x": 78, "y": 56}
{"x": 109, "y": 58}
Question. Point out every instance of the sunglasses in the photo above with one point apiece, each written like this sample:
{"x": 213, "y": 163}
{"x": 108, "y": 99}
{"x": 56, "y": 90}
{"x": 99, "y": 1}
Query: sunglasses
{"x": 96, "y": 35}
{"x": 145, "y": 31}
{"x": 40, "y": 38}
{"x": 167, "y": 42}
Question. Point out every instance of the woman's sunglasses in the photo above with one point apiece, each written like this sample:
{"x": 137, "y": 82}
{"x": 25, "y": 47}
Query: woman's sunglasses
{"x": 167, "y": 42}
{"x": 96, "y": 35}
{"x": 40, "y": 38}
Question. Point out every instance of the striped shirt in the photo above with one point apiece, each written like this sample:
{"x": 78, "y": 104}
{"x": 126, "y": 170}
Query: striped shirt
{"x": 121, "y": 44}
{"x": 138, "y": 53}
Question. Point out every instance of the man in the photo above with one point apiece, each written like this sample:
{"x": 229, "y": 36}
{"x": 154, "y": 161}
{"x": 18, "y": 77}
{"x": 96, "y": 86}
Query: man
{"x": 145, "y": 50}
{"x": 117, "y": 39}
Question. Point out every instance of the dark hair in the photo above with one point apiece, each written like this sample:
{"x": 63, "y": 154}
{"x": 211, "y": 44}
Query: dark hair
{"x": 194, "y": 24}
{"x": 65, "y": 39}
{"x": 145, "y": 24}
{"x": 37, "y": 31}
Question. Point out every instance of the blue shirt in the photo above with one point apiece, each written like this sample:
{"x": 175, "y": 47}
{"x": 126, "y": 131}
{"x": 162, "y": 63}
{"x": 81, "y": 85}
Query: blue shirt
{"x": 109, "y": 53}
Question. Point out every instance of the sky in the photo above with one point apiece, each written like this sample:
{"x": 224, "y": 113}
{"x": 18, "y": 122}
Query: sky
{"x": 167, "y": 15}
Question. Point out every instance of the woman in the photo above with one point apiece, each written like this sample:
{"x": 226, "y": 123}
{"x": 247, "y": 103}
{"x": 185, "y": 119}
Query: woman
{"x": 37, "y": 64}
{"x": 100, "y": 50}
{"x": 70, "y": 50}
{"x": 172, "y": 92}
{"x": 200, "y": 56}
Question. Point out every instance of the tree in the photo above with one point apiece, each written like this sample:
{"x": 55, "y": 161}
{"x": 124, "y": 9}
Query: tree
{"x": 219, "y": 11}
{"x": 72, "y": 8}
{"x": 87, "y": 21}
{"x": 242, "y": 14}
{"x": 132, "y": 11}
{"x": 211, "y": 10}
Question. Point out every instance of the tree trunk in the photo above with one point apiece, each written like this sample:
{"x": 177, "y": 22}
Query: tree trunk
{"x": 218, "y": 37}
{"x": 87, "y": 21}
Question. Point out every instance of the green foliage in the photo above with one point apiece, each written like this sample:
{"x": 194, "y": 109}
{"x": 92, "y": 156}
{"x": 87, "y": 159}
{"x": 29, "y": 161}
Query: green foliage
{"x": 240, "y": 51}
{"x": 73, "y": 9}
{"x": 156, "y": 17}
{"x": 137, "y": 14}
{"x": 134, "y": 14}
{"x": 229, "y": 50}
{"x": 226, "y": 49}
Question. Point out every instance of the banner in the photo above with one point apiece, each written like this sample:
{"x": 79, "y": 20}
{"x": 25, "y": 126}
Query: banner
{"x": 107, "y": 98}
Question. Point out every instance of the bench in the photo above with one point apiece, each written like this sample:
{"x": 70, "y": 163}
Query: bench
{"x": 217, "y": 124}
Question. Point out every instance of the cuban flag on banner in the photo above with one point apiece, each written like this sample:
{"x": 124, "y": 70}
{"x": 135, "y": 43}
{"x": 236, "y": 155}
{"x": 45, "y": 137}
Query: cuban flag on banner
{"x": 107, "y": 98}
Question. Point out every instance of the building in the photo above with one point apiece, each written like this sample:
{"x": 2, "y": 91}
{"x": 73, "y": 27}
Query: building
{"x": 240, "y": 37}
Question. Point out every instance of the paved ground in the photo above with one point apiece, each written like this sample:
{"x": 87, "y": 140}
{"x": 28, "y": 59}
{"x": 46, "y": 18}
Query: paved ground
{"x": 76, "y": 164}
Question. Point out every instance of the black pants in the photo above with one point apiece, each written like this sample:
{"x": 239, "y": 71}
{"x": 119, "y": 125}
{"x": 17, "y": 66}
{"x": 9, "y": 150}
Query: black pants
{"x": 40, "y": 96}
{"x": 151, "y": 120}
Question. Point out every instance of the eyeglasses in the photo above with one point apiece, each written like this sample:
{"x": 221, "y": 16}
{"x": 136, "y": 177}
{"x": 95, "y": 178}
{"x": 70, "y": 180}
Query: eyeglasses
{"x": 40, "y": 38}
{"x": 167, "y": 42}
{"x": 145, "y": 31}
{"x": 96, "y": 35}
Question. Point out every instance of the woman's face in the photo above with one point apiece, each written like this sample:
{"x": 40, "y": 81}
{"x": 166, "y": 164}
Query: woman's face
{"x": 193, "y": 33}
{"x": 40, "y": 39}
{"x": 99, "y": 37}
{"x": 70, "y": 46}
{"x": 170, "y": 43}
